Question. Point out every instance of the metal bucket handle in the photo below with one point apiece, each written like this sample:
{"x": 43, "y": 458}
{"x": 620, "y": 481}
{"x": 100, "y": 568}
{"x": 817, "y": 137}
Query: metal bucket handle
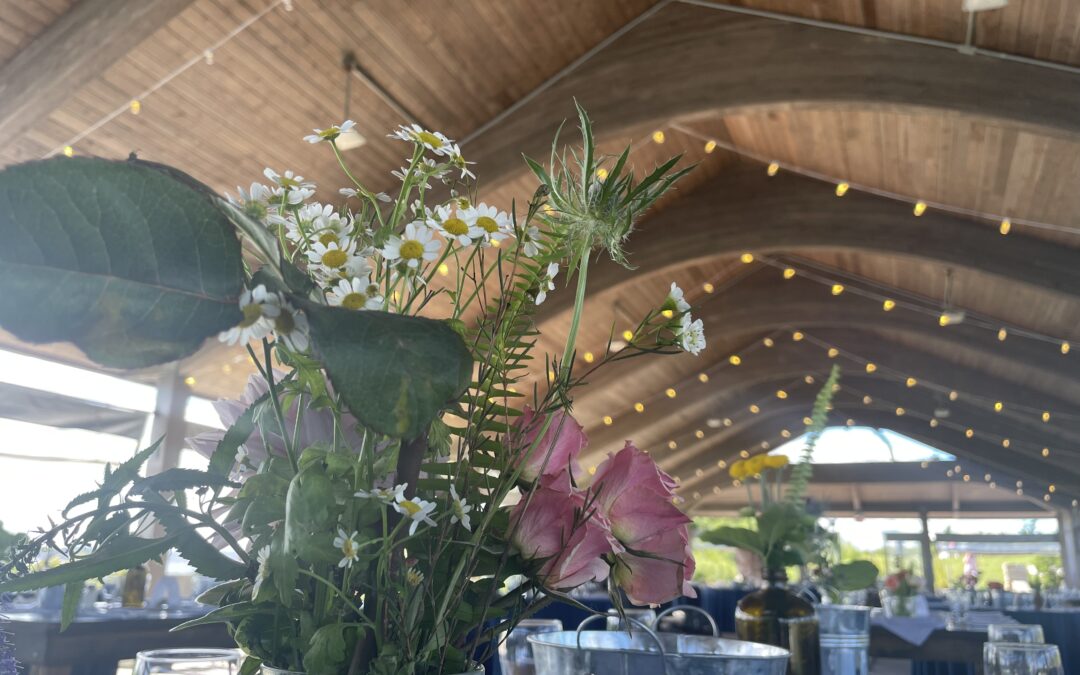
{"x": 652, "y": 634}
{"x": 675, "y": 608}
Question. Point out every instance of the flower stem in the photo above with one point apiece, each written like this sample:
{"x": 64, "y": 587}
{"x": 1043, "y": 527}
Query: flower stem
{"x": 579, "y": 304}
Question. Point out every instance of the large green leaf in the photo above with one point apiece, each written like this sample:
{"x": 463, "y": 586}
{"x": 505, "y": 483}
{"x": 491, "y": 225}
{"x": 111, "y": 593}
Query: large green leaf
{"x": 119, "y": 554}
{"x": 738, "y": 537}
{"x": 134, "y": 264}
{"x": 853, "y": 576}
{"x": 394, "y": 372}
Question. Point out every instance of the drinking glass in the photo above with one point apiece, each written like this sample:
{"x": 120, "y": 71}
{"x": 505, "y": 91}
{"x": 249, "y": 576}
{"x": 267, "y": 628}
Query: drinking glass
{"x": 1014, "y": 658}
{"x": 189, "y": 662}
{"x": 515, "y": 653}
{"x": 1015, "y": 632}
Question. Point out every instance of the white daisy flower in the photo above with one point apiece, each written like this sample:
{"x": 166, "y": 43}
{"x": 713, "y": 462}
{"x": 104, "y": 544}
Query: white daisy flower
{"x": 456, "y": 224}
{"x": 460, "y": 510}
{"x": 432, "y": 140}
{"x": 691, "y": 334}
{"x": 291, "y": 325}
{"x": 287, "y": 180}
{"x": 355, "y": 293}
{"x": 332, "y": 256}
{"x": 531, "y": 243}
{"x": 384, "y": 198}
{"x": 456, "y": 159}
{"x": 260, "y": 308}
{"x": 675, "y": 300}
{"x": 330, "y": 133}
{"x": 495, "y": 224}
{"x": 384, "y": 495}
{"x": 263, "y": 558}
{"x": 416, "y": 244}
{"x": 348, "y": 545}
{"x": 547, "y": 283}
{"x": 417, "y": 510}
{"x": 402, "y": 172}
{"x": 348, "y": 193}
{"x": 254, "y": 202}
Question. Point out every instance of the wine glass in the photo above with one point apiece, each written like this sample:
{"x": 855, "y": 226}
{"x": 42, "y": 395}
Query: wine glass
{"x": 515, "y": 653}
{"x": 1014, "y": 658}
{"x": 1015, "y": 632}
{"x": 188, "y": 662}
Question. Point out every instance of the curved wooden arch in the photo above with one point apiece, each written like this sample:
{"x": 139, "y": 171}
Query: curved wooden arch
{"x": 688, "y": 60}
{"x": 1034, "y": 475}
{"x": 744, "y": 209}
{"x": 730, "y": 390}
{"x": 765, "y": 303}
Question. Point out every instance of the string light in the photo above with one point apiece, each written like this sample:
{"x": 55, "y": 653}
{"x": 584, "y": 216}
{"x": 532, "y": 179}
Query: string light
{"x": 608, "y": 421}
{"x": 807, "y": 421}
{"x": 1065, "y": 347}
{"x": 998, "y": 406}
{"x": 1002, "y": 334}
{"x": 773, "y": 168}
{"x": 920, "y": 208}
{"x": 69, "y": 151}
{"x": 833, "y": 352}
{"x": 837, "y": 289}
{"x": 784, "y": 433}
{"x": 841, "y": 189}
{"x": 699, "y": 434}
{"x": 1052, "y": 488}
{"x": 703, "y": 377}
{"x": 933, "y": 422}
{"x": 900, "y": 412}
{"x": 734, "y": 359}
{"x": 944, "y": 319}
{"x": 925, "y": 465}
{"x": 888, "y": 305}
{"x": 135, "y": 106}
{"x": 867, "y": 400}
{"x": 189, "y": 381}
{"x": 781, "y": 394}
{"x": 969, "y": 432}
{"x": 444, "y": 270}
{"x": 670, "y": 393}
{"x": 953, "y": 395}
{"x": 672, "y": 445}
{"x": 658, "y": 136}
{"x": 797, "y": 336}
{"x": 589, "y": 357}
{"x": 601, "y": 173}
{"x": 911, "y": 382}
{"x": 870, "y": 368}
{"x": 1046, "y": 452}
{"x": 747, "y": 258}
{"x": 1005, "y": 226}
{"x": 288, "y": 4}
{"x": 710, "y": 146}
{"x": 1046, "y": 416}
{"x": 744, "y": 453}
{"x": 707, "y": 287}
{"x": 721, "y": 464}
{"x": 208, "y": 57}
{"x": 768, "y": 342}
{"x": 754, "y": 408}
{"x": 628, "y": 335}
{"x": 789, "y": 272}
{"x": 1005, "y": 442}
{"x": 639, "y": 407}
{"x": 728, "y": 422}
{"x": 809, "y": 379}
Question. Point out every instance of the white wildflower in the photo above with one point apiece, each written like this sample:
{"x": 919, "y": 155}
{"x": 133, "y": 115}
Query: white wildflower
{"x": 263, "y": 558}
{"x": 291, "y": 326}
{"x": 460, "y": 510}
{"x": 384, "y": 495}
{"x": 355, "y": 293}
{"x": 331, "y": 133}
{"x": 259, "y": 308}
{"x": 530, "y": 244}
{"x": 691, "y": 334}
{"x": 456, "y": 224}
{"x": 675, "y": 300}
{"x": 547, "y": 283}
{"x": 415, "y": 244}
{"x": 494, "y": 223}
{"x": 417, "y": 510}
{"x": 349, "y": 547}
{"x": 432, "y": 140}
{"x": 331, "y": 256}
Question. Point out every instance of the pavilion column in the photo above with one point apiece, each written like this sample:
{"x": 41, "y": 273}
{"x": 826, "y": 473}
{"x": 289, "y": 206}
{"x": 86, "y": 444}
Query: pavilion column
{"x": 927, "y": 553}
{"x": 169, "y": 424}
{"x": 1069, "y": 531}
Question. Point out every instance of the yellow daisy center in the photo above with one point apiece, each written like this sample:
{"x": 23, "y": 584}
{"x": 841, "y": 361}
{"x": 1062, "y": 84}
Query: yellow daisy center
{"x": 429, "y": 139}
{"x": 335, "y": 258}
{"x": 411, "y": 249}
{"x": 327, "y": 238}
{"x": 411, "y": 507}
{"x": 348, "y": 549}
{"x": 488, "y": 224}
{"x": 354, "y": 301}
{"x": 456, "y": 226}
{"x": 252, "y": 313}
{"x": 284, "y": 323}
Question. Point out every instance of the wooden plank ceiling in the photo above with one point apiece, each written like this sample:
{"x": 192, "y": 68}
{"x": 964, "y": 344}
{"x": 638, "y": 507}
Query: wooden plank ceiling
{"x": 455, "y": 66}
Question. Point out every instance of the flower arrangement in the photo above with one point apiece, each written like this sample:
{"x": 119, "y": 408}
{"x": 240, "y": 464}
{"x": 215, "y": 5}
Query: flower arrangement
{"x": 901, "y": 588}
{"x": 384, "y": 499}
{"x": 783, "y": 532}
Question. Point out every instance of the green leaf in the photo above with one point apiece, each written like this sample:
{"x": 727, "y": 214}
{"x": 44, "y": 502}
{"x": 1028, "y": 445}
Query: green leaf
{"x": 190, "y": 544}
{"x": 73, "y": 593}
{"x": 394, "y": 372}
{"x": 224, "y": 455}
{"x": 284, "y": 569}
{"x": 215, "y": 595}
{"x": 135, "y": 265}
{"x": 853, "y": 576}
{"x": 119, "y": 554}
{"x": 739, "y": 537}
{"x": 251, "y": 666}
{"x": 326, "y": 653}
{"x": 172, "y": 480}
{"x": 226, "y": 614}
{"x": 310, "y": 517}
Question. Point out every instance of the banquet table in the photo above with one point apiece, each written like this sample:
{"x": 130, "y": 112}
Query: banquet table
{"x": 98, "y": 639}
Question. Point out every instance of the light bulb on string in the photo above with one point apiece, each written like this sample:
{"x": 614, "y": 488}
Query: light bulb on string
{"x": 841, "y": 189}
{"x": 746, "y": 258}
{"x": 837, "y": 289}
{"x": 920, "y": 208}
{"x": 703, "y": 378}
{"x": 969, "y": 433}
{"x": 608, "y": 421}
{"x": 1005, "y": 226}
{"x": 287, "y": 4}
{"x": 208, "y": 57}
{"x": 781, "y": 394}
{"x": 135, "y": 106}
{"x": 658, "y": 137}
{"x": 69, "y": 151}
{"x": 773, "y": 168}
{"x": 998, "y": 406}
{"x": 589, "y": 357}
{"x": 911, "y": 382}
{"x": 735, "y": 359}
{"x": 670, "y": 393}
{"x": 1002, "y": 334}
{"x": 754, "y": 408}
{"x": 1065, "y": 347}
{"x": 789, "y": 273}
{"x": 1046, "y": 416}
{"x": 888, "y": 305}
{"x": 710, "y": 146}
{"x": 871, "y": 368}
{"x": 768, "y": 342}
{"x": 639, "y": 407}
{"x": 707, "y": 287}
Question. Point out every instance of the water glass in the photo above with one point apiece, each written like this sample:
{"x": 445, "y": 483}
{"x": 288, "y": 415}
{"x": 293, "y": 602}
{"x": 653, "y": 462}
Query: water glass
{"x": 1015, "y": 632}
{"x": 515, "y": 653}
{"x": 645, "y": 616}
{"x": 189, "y": 662}
{"x": 845, "y": 639}
{"x": 1014, "y": 658}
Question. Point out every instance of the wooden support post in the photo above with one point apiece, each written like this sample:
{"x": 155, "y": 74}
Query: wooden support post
{"x": 1069, "y": 532}
{"x": 927, "y": 553}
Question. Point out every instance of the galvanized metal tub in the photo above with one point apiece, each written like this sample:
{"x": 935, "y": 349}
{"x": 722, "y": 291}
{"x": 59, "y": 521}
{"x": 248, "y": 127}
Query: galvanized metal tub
{"x": 643, "y": 651}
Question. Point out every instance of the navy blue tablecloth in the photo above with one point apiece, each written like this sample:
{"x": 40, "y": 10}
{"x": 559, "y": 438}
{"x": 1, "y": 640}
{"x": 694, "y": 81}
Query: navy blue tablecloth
{"x": 1060, "y": 627}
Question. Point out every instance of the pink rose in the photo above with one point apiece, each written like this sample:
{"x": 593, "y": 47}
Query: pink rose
{"x": 553, "y": 454}
{"x": 553, "y": 530}
{"x": 637, "y": 498}
{"x": 656, "y": 580}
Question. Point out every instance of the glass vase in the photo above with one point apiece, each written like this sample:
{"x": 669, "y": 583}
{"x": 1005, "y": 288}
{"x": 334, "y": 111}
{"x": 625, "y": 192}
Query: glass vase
{"x": 773, "y": 615}
{"x": 897, "y": 605}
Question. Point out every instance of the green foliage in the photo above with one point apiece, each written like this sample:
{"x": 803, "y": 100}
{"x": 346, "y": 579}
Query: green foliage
{"x": 394, "y": 372}
{"x": 133, "y": 265}
{"x": 819, "y": 420}
{"x": 853, "y": 576}
{"x": 119, "y": 553}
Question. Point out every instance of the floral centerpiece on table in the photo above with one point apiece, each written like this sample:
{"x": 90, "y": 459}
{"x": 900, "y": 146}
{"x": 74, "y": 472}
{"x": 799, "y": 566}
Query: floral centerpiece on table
{"x": 395, "y": 486}
{"x": 901, "y": 589}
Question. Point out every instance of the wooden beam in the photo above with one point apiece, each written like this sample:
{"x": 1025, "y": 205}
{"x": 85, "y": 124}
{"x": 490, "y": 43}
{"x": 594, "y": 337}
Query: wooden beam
{"x": 78, "y": 47}
{"x": 686, "y": 61}
{"x": 791, "y": 212}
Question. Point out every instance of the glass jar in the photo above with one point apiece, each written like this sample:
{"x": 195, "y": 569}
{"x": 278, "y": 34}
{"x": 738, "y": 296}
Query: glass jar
{"x": 774, "y": 615}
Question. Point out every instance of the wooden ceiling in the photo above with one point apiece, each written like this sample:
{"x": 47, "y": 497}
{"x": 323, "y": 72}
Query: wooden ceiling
{"x": 923, "y": 121}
